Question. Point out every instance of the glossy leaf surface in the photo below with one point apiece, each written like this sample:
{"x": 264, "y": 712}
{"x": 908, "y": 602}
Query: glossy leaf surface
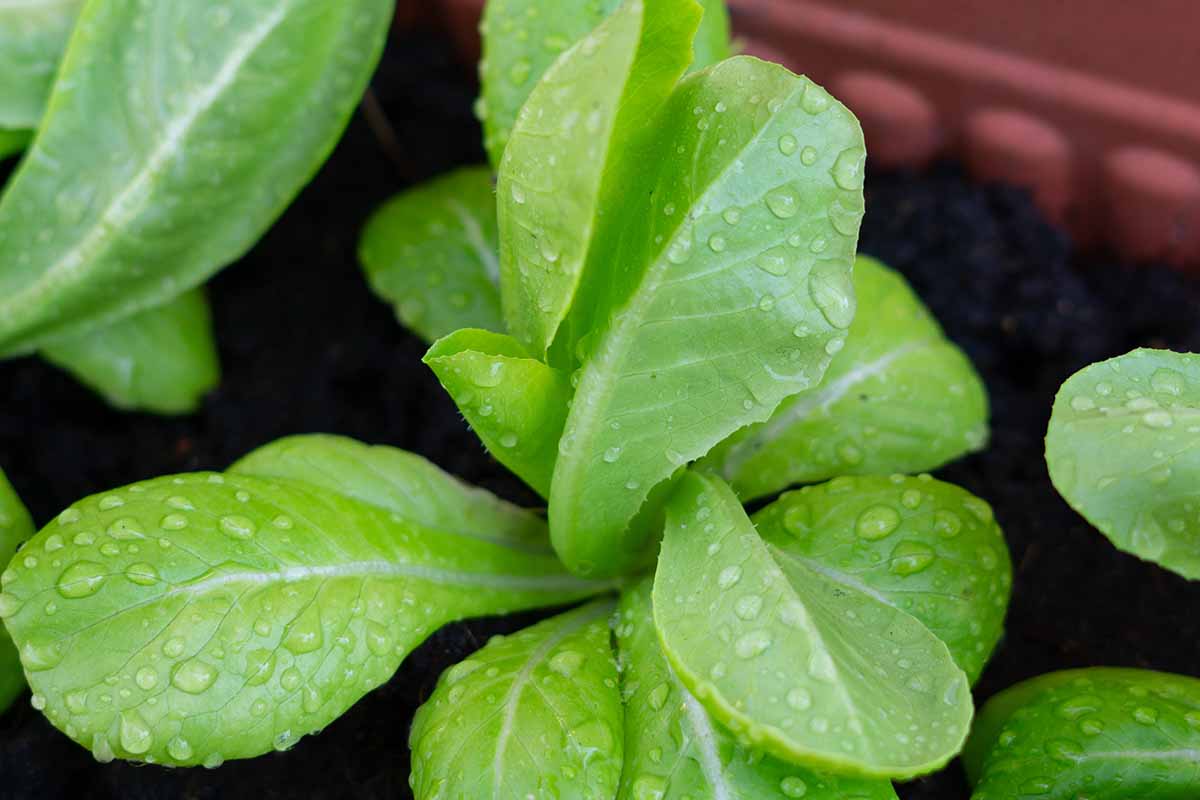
{"x": 898, "y": 397}
{"x": 1122, "y": 450}
{"x": 535, "y": 714}
{"x": 806, "y": 668}
{"x": 516, "y": 403}
{"x": 922, "y": 546}
{"x": 403, "y": 483}
{"x": 523, "y": 38}
{"x": 209, "y": 124}
{"x": 433, "y": 253}
{"x": 727, "y": 294}
{"x": 33, "y": 35}
{"x": 162, "y": 359}
{"x": 557, "y": 178}
{"x": 675, "y": 750}
{"x": 15, "y": 527}
{"x": 191, "y": 619}
{"x": 1100, "y": 734}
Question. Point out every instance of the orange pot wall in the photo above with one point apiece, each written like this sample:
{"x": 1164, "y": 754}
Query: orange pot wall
{"x": 1092, "y": 104}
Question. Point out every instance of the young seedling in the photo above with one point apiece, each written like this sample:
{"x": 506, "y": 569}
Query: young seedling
{"x": 811, "y": 635}
{"x": 1121, "y": 449}
{"x": 1102, "y": 733}
{"x": 15, "y": 527}
{"x": 196, "y": 618}
{"x": 98, "y": 253}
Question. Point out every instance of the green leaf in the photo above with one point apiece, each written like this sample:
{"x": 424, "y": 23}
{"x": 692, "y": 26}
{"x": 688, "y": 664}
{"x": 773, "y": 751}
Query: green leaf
{"x": 163, "y": 359}
{"x": 190, "y": 619}
{"x": 33, "y": 35}
{"x": 15, "y": 527}
{"x": 210, "y": 123}
{"x": 401, "y": 483}
{"x": 727, "y": 295}
{"x": 899, "y": 397}
{"x": 433, "y": 253}
{"x": 557, "y": 178}
{"x": 803, "y": 667}
{"x": 535, "y": 714}
{"x": 1100, "y": 733}
{"x": 675, "y": 750}
{"x": 13, "y": 142}
{"x": 925, "y": 547}
{"x": 516, "y": 404}
{"x": 1121, "y": 448}
{"x": 523, "y": 38}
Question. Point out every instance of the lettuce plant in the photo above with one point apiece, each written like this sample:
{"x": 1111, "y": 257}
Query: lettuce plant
{"x": 1121, "y": 450}
{"x": 210, "y": 119}
{"x": 1100, "y": 733}
{"x": 196, "y": 618}
{"x": 660, "y": 300}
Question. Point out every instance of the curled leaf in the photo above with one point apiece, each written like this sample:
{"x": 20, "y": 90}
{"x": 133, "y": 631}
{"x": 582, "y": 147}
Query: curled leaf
{"x": 898, "y": 397}
{"x": 1121, "y": 449}
{"x": 191, "y": 619}
{"x": 806, "y": 668}
{"x": 534, "y": 714}
{"x": 1100, "y": 733}
{"x": 925, "y": 547}
{"x": 516, "y": 403}
{"x": 727, "y": 295}
{"x": 523, "y": 38}
{"x": 433, "y": 253}
{"x": 674, "y": 749}
{"x": 163, "y": 359}
{"x": 248, "y": 100}
{"x": 558, "y": 168}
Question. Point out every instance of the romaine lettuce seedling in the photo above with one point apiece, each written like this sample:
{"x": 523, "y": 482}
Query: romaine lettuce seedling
{"x": 1100, "y": 733}
{"x": 203, "y": 617}
{"x": 247, "y": 101}
{"x": 1121, "y": 449}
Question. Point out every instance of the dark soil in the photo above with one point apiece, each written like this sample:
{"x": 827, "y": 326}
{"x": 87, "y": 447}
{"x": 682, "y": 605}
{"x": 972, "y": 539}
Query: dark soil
{"x": 306, "y": 348}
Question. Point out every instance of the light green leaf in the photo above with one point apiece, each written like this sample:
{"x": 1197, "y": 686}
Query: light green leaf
{"x": 408, "y": 486}
{"x": 1121, "y": 448}
{"x": 557, "y": 178}
{"x": 191, "y": 619}
{"x": 922, "y": 546}
{"x": 433, "y": 253}
{"x": 675, "y": 750}
{"x": 516, "y": 404}
{"x": 535, "y": 714}
{"x": 163, "y": 359}
{"x": 33, "y": 35}
{"x": 209, "y": 123}
{"x": 1100, "y": 733}
{"x": 15, "y": 527}
{"x": 13, "y": 142}
{"x": 728, "y": 294}
{"x": 802, "y": 666}
{"x": 899, "y": 397}
{"x": 523, "y": 38}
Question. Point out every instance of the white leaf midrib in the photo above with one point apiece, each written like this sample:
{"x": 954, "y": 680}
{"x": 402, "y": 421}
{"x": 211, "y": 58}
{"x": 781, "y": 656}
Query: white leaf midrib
{"x": 820, "y": 398}
{"x": 130, "y": 201}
